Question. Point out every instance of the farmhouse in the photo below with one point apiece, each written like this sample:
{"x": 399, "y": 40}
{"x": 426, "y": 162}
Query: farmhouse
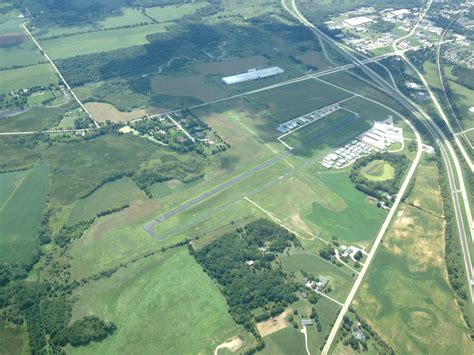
{"x": 306, "y": 322}
{"x": 252, "y": 74}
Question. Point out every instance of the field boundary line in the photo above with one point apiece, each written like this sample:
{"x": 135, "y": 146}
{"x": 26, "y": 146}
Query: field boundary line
{"x": 42, "y": 51}
{"x": 329, "y": 298}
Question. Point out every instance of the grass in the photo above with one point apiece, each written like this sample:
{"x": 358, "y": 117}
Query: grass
{"x": 22, "y": 78}
{"x": 164, "y": 304}
{"x": 113, "y": 194}
{"x": 79, "y": 165}
{"x": 378, "y": 170}
{"x": 284, "y": 103}
{"x": 94, "y": 42}
{"x": 16, "y": 155}
{"x": 173, "y": 12}
{"x": 288, "y": 341}
{"x": 359, "y": 222}
{"x": 20, "y": 215}
{"x": 340, "y": 278}
{"x": 13, "y": 339}
{"x": 37, "y": 119}
{"x": 8, "y": 183}
{"x": 406, "y": 295}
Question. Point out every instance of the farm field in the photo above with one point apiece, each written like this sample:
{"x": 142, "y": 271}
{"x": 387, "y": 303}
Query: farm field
{"x": 26, "y": 77}
{"x": 406, "y": 296}
{"x": 14, "y": 340}
{"x": 102, "y": 112}
{"x": 151, "y": 291}
{"x": 94, "y": 42}
{"x": 286, "y": 341}
{"x": 20, "y": 215}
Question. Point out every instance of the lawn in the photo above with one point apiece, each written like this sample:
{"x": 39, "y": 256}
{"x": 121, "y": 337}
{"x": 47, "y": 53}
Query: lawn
{"x": 288, "y": 341}
{"x": 406, "y": 296}
{"x": 378, "y": 170}
{"x": 20, "y": 215}
{"x": 113, "y": 194}
{"x": 358, "y": 222}
{"x": 284, "y": 103}
{"x": 340, "y": 279}
{"x": 22, "y": 78}
{"x": 101, "y": 41}
{"x": 164, "y": 304}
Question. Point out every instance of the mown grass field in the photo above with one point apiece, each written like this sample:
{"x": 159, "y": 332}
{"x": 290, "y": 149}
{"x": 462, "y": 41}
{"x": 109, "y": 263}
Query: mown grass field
{"x": 358, "y": 222}
{"x": 340, "y": 279}
{"x": 22, "y": 78}
{"x": 378, "y": 170}
{"x": 288, "y": 341}
{"x": 406, "y": 296}
{"x": 113, "y": 194}
{"x": 20, "y": 215}
{"x": 94, "y": 42}
{"x": 163, "y": 304}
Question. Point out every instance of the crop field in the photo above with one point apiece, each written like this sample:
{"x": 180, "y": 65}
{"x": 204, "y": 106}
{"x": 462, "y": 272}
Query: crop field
{"x": 291, "y": 101}
{"x": 359, "y": 222}
{"x": 101, "y": 41}
{"x": 463, "y": 98}
{"x": 103, "y": 111}
{"x": 406, "y": 295}
{"x": 182, "y": 307}
{"x": 20, "y": 215}
{"x": 8, "y": 183}
{"x": 16, "y": 155}
{"x": 22, "y": 78}
{"x": 113, "y": 194}
{"x": 378, "y": 170}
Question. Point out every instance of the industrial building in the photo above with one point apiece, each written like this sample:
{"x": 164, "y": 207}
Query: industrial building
{"x": 252, "y": 74}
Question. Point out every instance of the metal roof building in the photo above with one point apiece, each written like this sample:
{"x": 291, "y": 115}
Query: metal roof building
{"x": 252, "y": 74}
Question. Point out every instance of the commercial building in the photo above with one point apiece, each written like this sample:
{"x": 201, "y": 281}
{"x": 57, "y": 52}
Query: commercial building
{"x": 252, "y": 74}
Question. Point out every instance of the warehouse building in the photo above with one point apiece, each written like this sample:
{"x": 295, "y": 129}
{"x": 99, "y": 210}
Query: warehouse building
{"x": 252, "y": 74}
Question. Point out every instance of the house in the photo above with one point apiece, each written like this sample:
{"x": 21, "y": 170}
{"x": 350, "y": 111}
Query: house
{"x": 322, "y": 283}
{"x": 250, "y": 262}
{"x": 306, "y": 322}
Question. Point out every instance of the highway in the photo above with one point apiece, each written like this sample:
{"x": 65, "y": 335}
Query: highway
{"x": 441, "y": 141}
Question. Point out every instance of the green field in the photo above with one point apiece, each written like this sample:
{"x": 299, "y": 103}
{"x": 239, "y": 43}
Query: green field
{"x": 26, "y": 77}
{"x": 8, "y": 183}
{"x": 358, "y": 222}
{"x": 20, "y": 215}
{"x": 13, "y": 340}
{"x": 35, "y": 119}
{"x": 378, "y": 170}
{"x": 113, "y": 194}
{"x": 288, "y": 341}
{"x": 99, "y": 41}
{"x": 340, "y": 279}
{"x": 406, "y": 296}
{"x": 284, "y": 103}
{"x": 173, "y": 12}
{"x": 164, "y": 304}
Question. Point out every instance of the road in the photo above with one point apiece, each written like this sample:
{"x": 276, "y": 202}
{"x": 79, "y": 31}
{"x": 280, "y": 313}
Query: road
{"x": 150, "y": 227}
{"x": 58, "y": 72}
{"x": 434, "y": 129}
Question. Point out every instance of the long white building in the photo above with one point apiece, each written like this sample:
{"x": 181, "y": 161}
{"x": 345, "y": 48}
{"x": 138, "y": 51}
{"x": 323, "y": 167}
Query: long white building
{"x": 252, "y": 74}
